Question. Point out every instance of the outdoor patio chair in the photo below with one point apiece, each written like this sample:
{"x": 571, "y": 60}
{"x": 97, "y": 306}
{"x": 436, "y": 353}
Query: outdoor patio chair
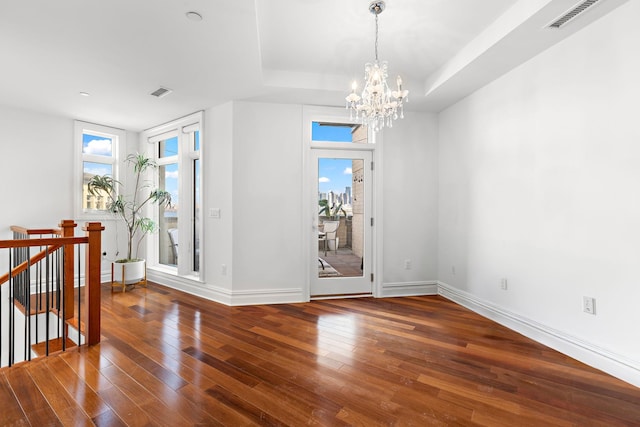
{"x": 173, "y": 238}
{"x": 330, "y": 234}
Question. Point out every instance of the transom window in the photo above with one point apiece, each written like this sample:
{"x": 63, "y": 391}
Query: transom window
{"x": 332, "y": 132}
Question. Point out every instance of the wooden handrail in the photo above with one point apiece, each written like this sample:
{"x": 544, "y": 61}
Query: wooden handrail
{"x": 65, "y": 230}
{"x": 24, "y": 265}
{"x": 34, "y": 231}
{"x": 59, "y": 241}
{"x": 52, "y": 244}
{"x": 66, "y": 242}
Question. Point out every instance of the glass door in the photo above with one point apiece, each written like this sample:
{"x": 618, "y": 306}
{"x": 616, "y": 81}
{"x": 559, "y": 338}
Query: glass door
{"x": 342, "y": 262}
{"x": 168, "y": 180}
{"x": 178, "y": 172}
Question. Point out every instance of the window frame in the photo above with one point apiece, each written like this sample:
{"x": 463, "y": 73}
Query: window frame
{"x": 118, "y": 138}
{"x": 181, "y": 128}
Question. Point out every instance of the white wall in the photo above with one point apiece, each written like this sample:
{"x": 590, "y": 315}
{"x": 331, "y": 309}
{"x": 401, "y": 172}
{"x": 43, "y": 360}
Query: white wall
{"x": 540, "y": 184}
{"x": 409, "y": 204}
{"x": 267, "y": 203}
{"x": 255, "y": 174}
{"x": 37, "y": 173}
{"x": 36, "y": 167}
{"x": 217, "y": 152}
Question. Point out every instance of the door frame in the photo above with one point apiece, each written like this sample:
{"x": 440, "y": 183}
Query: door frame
{"x": 348, "y": 286}
{"x": 310, "y": 202}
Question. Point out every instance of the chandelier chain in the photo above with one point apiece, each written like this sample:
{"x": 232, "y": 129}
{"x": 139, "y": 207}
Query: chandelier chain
{"x": 376, "y": 45}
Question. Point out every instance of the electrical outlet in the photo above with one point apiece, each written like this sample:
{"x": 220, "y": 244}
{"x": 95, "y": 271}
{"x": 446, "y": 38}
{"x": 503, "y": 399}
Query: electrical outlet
{"x": 589, "y": 305}
{"x": 453, "y": 270}
{"x": 503, "y": 284}
{"x": 407, "y": 264}
{"x": 223, "y": 269}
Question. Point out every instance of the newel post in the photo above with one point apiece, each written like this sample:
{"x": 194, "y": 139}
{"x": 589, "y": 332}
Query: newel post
{"x": 92, "y": 280}
{"x": 66, "y": 230}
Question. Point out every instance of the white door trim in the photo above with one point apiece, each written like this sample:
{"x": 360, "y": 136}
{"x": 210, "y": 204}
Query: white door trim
{"x": 361, "y": 285}
{"x": 339, "y": 115}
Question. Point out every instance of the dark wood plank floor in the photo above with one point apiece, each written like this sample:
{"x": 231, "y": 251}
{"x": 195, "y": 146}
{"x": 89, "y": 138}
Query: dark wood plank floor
{"x": 172, "y": 359}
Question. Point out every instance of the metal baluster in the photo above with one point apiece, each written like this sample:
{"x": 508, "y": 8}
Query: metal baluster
{"x": 11, "y": 314}
{"x": 79, "y": 297}
{"x": 27, "y": 310}
{"x": 18, "y": 258}
{"x": 47, "y": 277}
{"x": 62, "y": 299}
{"x": 1, "y": 302}
{"x": 38, "y": 294}
{"x": 60, "y": 321}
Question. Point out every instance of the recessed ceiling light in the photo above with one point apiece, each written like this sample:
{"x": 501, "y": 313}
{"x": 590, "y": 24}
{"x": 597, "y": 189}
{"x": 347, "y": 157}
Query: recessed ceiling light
{"x": 85, "y": 94}
{"x": 193, "y": 16}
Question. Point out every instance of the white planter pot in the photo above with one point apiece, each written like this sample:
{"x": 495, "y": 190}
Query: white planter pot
{"x": 133, "y": 271}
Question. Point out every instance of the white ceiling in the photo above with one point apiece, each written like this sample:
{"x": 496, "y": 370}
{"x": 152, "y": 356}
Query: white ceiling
{"x": 304, "y": 51}
{"x": 336, "y": 37}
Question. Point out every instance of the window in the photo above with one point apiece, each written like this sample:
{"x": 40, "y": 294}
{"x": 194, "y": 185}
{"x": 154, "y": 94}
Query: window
{"x": 97, "y": 150}
{"x": 334, "y": 132}
{"x": 176, "y": 148}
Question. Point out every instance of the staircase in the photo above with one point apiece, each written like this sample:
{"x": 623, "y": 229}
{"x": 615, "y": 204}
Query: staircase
{"x": 37, "y": 319}
{"x": 47, "y": 304}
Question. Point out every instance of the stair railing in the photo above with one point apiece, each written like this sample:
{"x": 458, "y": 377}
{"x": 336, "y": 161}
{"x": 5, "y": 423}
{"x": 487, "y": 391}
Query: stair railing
{"x": 42, "y": 296}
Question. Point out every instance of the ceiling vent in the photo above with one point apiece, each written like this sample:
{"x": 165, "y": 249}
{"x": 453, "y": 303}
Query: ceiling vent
{"x": 572, "y": 13}
{"x": 160, "y": 92}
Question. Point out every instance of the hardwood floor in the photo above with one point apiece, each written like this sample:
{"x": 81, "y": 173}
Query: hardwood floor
{"x": 172, "y": 359}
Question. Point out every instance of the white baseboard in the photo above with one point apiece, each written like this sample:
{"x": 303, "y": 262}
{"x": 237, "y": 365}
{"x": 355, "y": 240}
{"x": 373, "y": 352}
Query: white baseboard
{"x": 193, "y": 287}
{"x": 225, "y": 296}
{"x": 269, "y": 296}
{"x": 409, "y": 289}
{"x": 614, "y": 364}
{"x": 105, "y": 276}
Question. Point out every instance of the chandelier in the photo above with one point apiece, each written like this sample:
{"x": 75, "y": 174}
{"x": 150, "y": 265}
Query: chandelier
{"x": 377, "y": 105}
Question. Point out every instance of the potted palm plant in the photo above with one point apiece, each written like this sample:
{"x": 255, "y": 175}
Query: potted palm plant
{"x": 129, "y": 209}
{"x": 326, "y": 209}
